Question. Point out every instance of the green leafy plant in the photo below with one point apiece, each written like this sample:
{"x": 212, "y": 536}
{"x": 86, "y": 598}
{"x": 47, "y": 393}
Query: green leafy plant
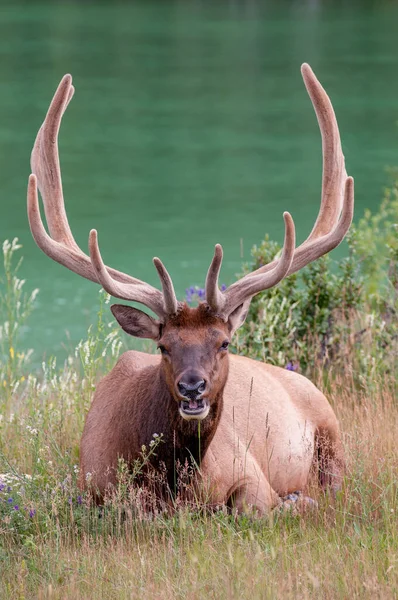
{"x": 15, "y": 307}
{"x": 338, "y": 315}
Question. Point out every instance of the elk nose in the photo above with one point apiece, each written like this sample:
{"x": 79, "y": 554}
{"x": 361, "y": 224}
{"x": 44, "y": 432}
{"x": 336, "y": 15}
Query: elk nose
{"x": 192, "y": 389}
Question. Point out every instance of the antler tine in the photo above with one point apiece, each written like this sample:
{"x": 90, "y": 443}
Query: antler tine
{"x": 337, "y": 199}
{"x": 333, "y": 173}
{"x": 334, "y": 178}
{"x": 139, "y": 292}
{"x": 60, "y": 244}
{"x": 244, "y": 288}
{"x": 214, "y": 297}
{"x": 169, "y": 296}
{"x": 45, "y": 165}
{"x": 316, "y": 247}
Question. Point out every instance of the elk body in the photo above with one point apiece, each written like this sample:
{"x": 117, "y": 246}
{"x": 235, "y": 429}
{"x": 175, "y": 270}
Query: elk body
{"x": 261, "y": 427}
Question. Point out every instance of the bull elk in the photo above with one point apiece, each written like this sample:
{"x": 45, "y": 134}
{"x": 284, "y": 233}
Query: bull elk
{"x": 261, "y": 427}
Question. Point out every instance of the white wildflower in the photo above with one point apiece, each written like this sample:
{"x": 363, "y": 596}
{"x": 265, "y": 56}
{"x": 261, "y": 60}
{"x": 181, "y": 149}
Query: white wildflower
{"x": 33, "y": 295}
{"x": 32, "y": 430}
{"x": 14, "y": 245}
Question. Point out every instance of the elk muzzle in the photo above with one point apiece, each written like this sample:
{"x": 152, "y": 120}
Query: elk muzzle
{"x": 192, "y": 389}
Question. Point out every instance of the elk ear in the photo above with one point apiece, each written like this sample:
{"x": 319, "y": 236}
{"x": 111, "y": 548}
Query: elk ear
{"x": 238, "y": 316}
{"x": 135, "y": 322}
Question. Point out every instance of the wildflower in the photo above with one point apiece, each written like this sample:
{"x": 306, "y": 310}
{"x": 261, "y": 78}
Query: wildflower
{"x": 9, "y": 489}
{"x": 88, "y": 476}
{"x": 32, "y": 513}
{"x": 33, "y": 295}
{"x": 79, "y": 500}
{"x": 10, "y": 501}
{"x": 291, "y": 366}
{"x": 32, "y": 430}
{"x": 188, "y": 294}
{"x": 16, "y": 507}
{"x": 2, "y": 486}
{"x": 12, "y": 353}
{"x": 196, "y": 293}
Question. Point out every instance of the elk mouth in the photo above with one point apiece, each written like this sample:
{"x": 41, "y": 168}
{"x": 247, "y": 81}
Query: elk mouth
{"x": 194, "y": 409}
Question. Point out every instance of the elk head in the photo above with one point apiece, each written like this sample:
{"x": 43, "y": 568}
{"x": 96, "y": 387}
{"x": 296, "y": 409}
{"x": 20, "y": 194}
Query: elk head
{"x": 193, "y": 342}
{"x": 194, "y": 353}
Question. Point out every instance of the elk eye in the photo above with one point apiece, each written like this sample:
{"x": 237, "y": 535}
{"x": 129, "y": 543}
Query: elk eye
{"x": 225, "y": 345}
{"x": 163, "y": 349}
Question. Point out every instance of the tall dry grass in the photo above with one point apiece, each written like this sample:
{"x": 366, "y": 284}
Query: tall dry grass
{"x": 349, "y": 548}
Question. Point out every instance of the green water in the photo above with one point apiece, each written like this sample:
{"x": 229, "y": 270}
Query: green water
{"x": 190, "y": 126}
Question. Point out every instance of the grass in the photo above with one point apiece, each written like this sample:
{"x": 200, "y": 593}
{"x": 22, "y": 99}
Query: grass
{"x": 349, "y": 548}
{"x": 55, "y": 544}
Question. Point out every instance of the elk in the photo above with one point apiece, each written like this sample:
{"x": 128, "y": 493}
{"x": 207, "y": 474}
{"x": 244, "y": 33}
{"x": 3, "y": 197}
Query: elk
{"x": 261, "y": 427}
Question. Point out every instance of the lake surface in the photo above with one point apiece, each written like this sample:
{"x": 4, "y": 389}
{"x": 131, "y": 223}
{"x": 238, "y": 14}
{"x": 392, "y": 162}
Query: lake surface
{"x": 190, "y": 126}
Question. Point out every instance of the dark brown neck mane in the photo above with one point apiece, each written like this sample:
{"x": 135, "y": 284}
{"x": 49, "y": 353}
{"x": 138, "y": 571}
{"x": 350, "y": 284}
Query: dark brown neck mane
{"x": 183, "y": 442}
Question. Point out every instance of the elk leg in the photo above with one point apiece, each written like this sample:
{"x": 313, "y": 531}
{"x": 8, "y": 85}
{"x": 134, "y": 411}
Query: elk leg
{"x": 254, "y": 495}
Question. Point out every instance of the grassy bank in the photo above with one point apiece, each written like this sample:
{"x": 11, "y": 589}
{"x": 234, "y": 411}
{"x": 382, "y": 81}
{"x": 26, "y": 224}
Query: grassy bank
{"x": 55, "y": 544}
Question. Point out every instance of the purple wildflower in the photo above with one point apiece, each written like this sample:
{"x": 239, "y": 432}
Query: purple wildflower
{"x": 32, "y": 513}
{"x": 10, "y": 501}
{"x": 196, "y": 293}
{"x": 291, "y": 366}
{"x": 79, "y": 500}
{"x": 9, "y": 489}
{"x": 2, "y": 486}
{"x": 16, "y": 507}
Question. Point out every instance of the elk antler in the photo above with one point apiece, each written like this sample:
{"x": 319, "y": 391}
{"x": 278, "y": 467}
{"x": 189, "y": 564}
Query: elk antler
{"x": 60, "y": 244}
{"x": 333, "y": 221}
